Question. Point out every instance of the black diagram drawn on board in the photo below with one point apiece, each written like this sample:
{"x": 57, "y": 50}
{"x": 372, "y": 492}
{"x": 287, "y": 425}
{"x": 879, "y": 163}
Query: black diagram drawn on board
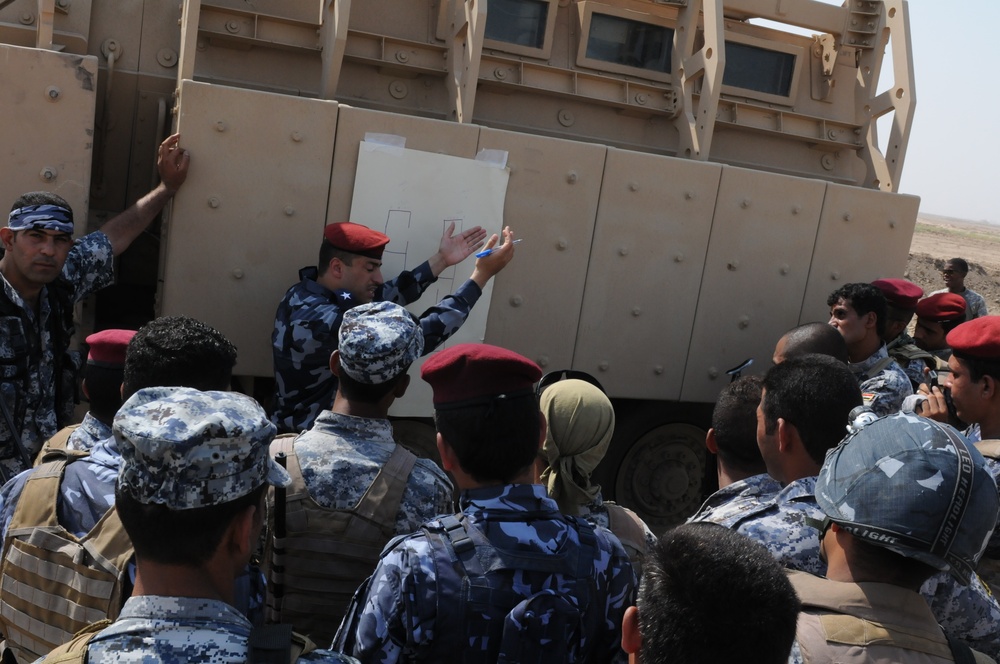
{"x": 398, "y": 226}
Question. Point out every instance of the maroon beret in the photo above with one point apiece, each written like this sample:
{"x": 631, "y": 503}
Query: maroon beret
{"x": 941, "y": 307}
{"x": 107, "y": 347}
{"x": 357, "y": 239}
{"x": 468, "y": 372}
{"x": 978, "y": 338}
{"x": 899, "y": 293}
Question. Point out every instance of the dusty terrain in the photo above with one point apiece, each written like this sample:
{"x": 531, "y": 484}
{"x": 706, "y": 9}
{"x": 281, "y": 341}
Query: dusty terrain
{"x": 937, "y": 239}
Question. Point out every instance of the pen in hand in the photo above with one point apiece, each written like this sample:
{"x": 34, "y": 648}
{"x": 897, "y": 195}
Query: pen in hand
{"x": 486, "y": 252}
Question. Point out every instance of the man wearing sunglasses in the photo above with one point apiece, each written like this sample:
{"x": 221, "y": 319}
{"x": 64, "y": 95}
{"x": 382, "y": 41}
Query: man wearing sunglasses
{"x": 954, "y": 272}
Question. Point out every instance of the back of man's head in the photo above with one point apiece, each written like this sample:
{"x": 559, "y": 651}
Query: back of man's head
{"x": 711, "y": 595}
{"x": 485, "y": 409}
{"x": 819, "y": 338}
{"x": 816, "y": 394}
{"x": 378, "y": 342}
{"x": 734, "y": 425}
{"x": 177, "y": 351}
{"x": 864, "y": 299}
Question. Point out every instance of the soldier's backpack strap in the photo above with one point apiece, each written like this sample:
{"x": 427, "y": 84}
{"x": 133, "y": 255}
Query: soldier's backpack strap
{"x": 876, "y": 368}
{"x": 630, "y": 531}
{"x": 989, "y": 448}
{"x": 75, "y": 651}
{"x": 380, "y": 503}
{"x": 910, "y": 352}
{"x": 277, "y": 644}
{"x": 57, "y": 443}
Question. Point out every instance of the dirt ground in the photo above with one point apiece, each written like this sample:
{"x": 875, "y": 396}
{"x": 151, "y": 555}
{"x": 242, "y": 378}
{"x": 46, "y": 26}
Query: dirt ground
{"x": 936, "y": 239}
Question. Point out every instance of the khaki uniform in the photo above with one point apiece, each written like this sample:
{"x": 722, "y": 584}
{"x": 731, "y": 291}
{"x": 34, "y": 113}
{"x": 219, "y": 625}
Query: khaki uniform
{"x": 869, "y": 623}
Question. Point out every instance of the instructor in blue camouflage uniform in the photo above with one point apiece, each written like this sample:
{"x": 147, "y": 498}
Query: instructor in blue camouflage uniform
{"x": 195, "y": 469}
{"x": 509, "y": 573}
{"x": 348, "y": 274}
{"x": 44, "y": 272}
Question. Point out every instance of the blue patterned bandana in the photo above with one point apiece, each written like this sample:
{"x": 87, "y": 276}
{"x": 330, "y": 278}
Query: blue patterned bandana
{"x": 44, "y": 217}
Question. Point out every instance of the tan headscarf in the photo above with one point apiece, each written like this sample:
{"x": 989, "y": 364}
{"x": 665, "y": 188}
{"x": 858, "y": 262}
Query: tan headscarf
{"x": 581, "y": 422}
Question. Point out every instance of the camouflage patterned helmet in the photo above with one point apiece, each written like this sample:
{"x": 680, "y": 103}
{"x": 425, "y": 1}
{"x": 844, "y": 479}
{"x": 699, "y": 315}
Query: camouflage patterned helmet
{"x": 378, "y": 341}
{"x": 186, "y": 449}
{"x": 915, "y": 487}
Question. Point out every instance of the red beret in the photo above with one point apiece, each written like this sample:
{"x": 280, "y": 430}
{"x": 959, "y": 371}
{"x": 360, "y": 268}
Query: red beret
{"x": 978, "y": 338}
{"x": 942, "y": 307}
{"x": 899, "y": 293}
{"x": 107, "y": 347}
{"x": 357, "y": 239}
{"x": 467, "y": 372}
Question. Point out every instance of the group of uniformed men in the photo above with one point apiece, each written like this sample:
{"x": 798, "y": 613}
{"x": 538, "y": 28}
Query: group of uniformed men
{"x": 150, "y": 513}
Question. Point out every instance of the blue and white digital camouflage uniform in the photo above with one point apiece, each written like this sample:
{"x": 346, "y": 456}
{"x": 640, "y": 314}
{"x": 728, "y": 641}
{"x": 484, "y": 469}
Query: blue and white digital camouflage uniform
{"x": 914, "y": 369}
{"x": 730, "y": 503}
{"x": 28, "y": 340}
{"x": 179, "y": 630}
{"x": 396, "y": 621}
{"x": 884, "y": 392}
{"x": 341, "y": 455}
{"x": 186, "y": 449}
{"x": 90, "y": 432}
{"x": 782, "y": 525}
{"x": 305, "y": 335}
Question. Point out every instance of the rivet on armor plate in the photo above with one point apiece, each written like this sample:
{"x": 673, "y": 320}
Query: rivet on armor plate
{"x": 744, "y": 322}
{"x": 237, "y": 273}
{"x": 398, "y": 89}
{"x": 48, "y": 174}
{"x": 566, "y": 118}
{"x": 221, "y": 126}
{"x": 214, "y": 202}
{"x": 543, "y": 361}
{"x": 678, "y": 258}
{"x": 847, "y": 216}
{"x": 516, "y": 301}
{"x": 623, "y": 251}
{"x": 232, "y": 26}
{"x": 167, "y": 57}
{"x": 633, "y": 186}
{"x": 784, "y": 269}
{"x": 658, "y": 369}
{"x": 572, "y": 177}
{"x": 562, "y": 244}
{"x": 27, "y": 18}
{"x": 603, "y": 366}
{"x": 289, "y": 210}
{"x": 636, "y": 312}
{"x": 745, "y": 203}
{"x": 53, "y": 93}
{"x": 402, "y": 56}
{"x": 713, "y": 373}
{"x": 297, "y": 137}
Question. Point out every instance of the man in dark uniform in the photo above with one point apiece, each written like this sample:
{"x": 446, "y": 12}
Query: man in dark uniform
{"x": 937, "y": 315}
{"x": 349, "y": 274}
{"x": 857, "y": 311}
{"x": 43, "y": 273}
{"x": 901, "y": 298}
{"x": 508, "y": 574}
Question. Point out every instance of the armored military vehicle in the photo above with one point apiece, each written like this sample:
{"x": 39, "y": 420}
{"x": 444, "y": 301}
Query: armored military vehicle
{"x": 692, "y": 177}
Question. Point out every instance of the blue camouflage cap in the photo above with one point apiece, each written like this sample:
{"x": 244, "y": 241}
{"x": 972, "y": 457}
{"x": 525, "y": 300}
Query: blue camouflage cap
{"x": 913, "y": 486}
{"x": 186, "y": 449}
{"x": 378, "y": 341}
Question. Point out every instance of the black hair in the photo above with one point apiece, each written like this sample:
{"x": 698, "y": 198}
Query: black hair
{"x": 960, "y": 265}
{"x": 179, "y": 537}
{"x": 864, "y": 299}
{"x": 819, "y": 338}
{"x": 354, "y": 390}
{"x": 177, "y": 351}
{"x": 816, "y": 394}
{"x": 327, "y": 252}
{"x": 493, "y": 441}
{"x": 710, "y": 595}
{"x": 734, "y": 421}
{"x": 104, "y": 390}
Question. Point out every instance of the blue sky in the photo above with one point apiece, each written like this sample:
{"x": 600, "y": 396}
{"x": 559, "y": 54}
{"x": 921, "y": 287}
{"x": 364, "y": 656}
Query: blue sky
{"x": 951, "y": 159}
